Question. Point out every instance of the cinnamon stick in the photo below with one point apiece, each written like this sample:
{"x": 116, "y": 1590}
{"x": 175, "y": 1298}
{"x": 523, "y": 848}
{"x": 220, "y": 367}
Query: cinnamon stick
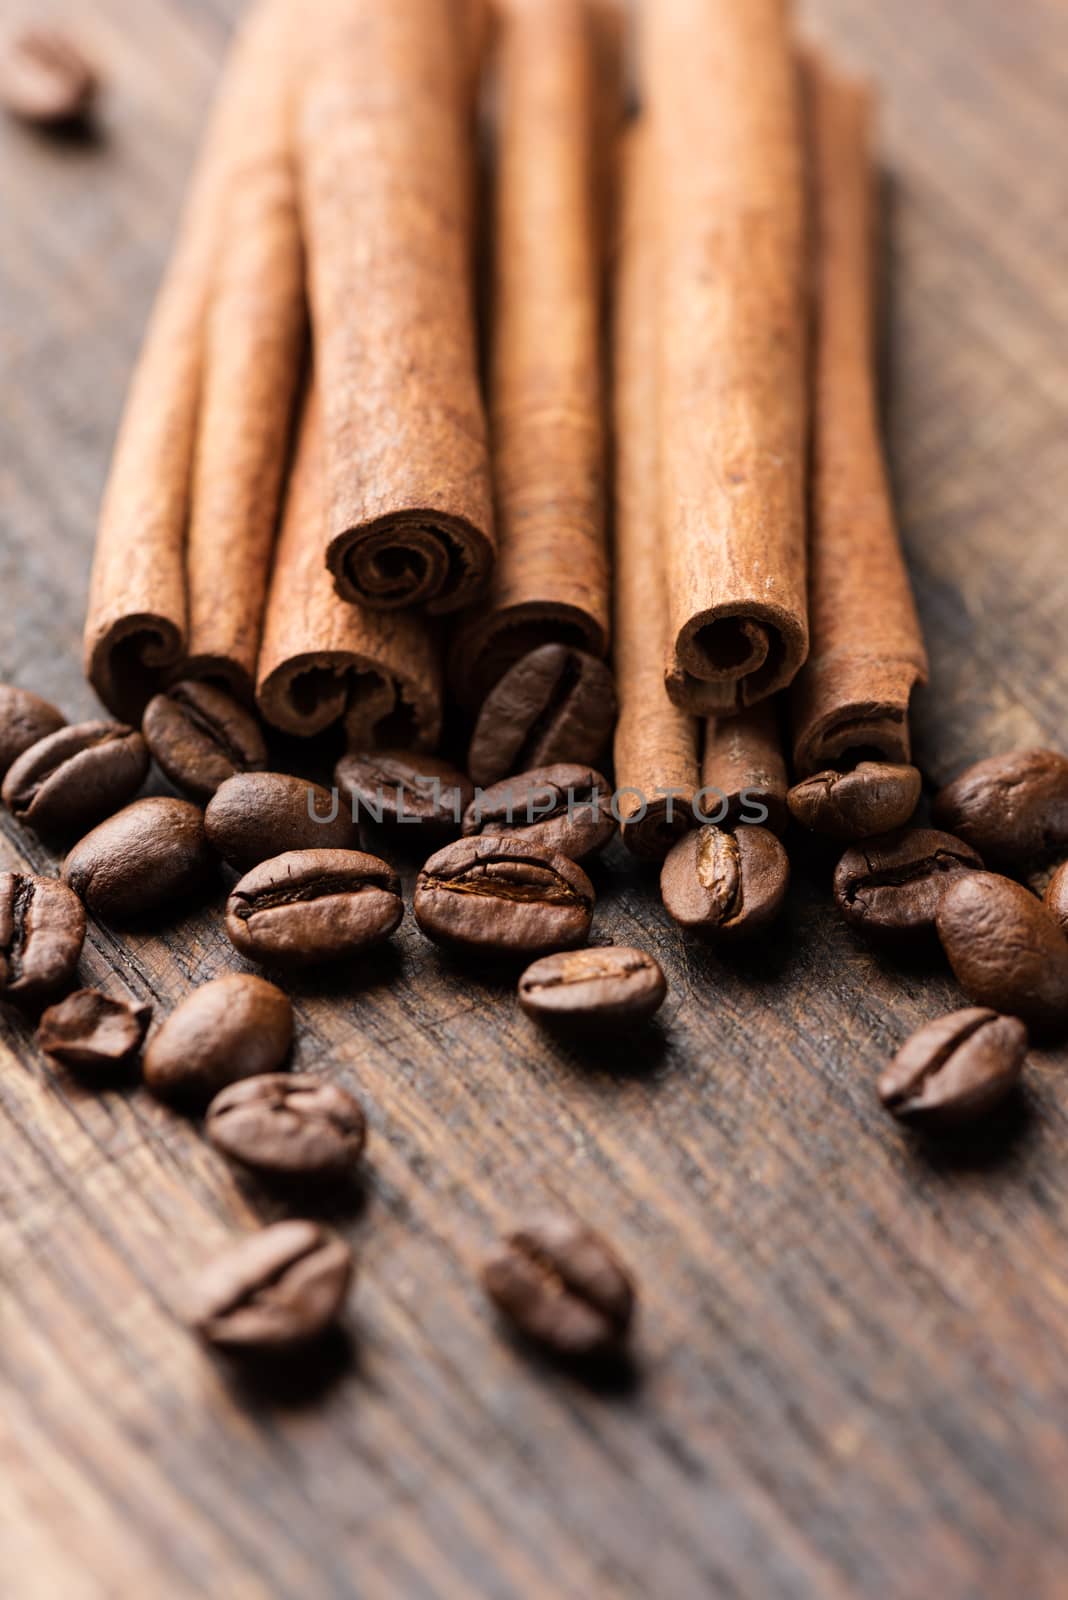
{"x": 136, "y": 627}
{"x": 253, "y": 346}
{"x": 743, "y": 769}
{"x": 656, "y": 742}
{"x": 386, "y": 161}
{"x": 867, "y": 646}
{"x": 324, "y": 660}
{"x": 723, "y": 103}
{"x": 546, "y": 382}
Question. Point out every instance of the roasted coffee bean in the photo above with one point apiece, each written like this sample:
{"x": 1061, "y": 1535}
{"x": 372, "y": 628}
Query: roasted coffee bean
{"x": 257, "y": 815}
{"x": 1055, "y": 898}
{"x": 273, "y": 1290}
{"x": 150, "y": 855}
{"x": 397, "y": 788}
{"x": 1013, "y": 809}
{"x": 1006, "y": 950}
{"x": 288, "y": 1127}
{"x": 555, "y": 704}
{"x": 593, "y": 990}
{"x": 560, "y": 1284}
{"x": 42, "y": 929}
{"x": 875, "y": 797}
{"x": 237, "y": 1026}
{"x": 563, "y": 807}
{"x": 891, "y": 886}
{"x": 91, "y": 1032}
{"x": 24, "y": 719}
{"x": 954, "y": 1069}
{"x": 725, "y": 886}
{"x": 45, "y": 79}
{"x": 503, "y": 897}
{"x": 314, "y": 906}
{"x": 75, "y": 777}
{"x": 200, "y": 736}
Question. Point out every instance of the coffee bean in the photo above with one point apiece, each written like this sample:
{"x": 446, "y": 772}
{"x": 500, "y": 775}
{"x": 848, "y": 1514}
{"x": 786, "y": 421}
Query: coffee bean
{"x": 24, "y": 719}
{"x": 396, "y": 788}
{"x": 237, "y": 1026}
{"x": 560, "y": 1284}
{"x": 563, "y": 807}
{"x": 875, "y": 797}
{"x": 583, "y": 990}
{"x": 314, "y": 906}
{"x": 257, "y": 815}
{"x": 200, "y": 736}
{"x": 503, "y": 897}
{"x": 1013, "y": 808}
{"x": 91, "y": 1032}
{"x": 1006, "y": 950}
{"x": 891, "y": 886}
{"x": 288, "y": 1127}
{"x": 151, "y": 855}
{"x": 725, "y": 886}
{"x": 75, "y": 777}
{"x": 1055, "y": 898}
{"x": 45, "y": 79}
{"x": 954, "y": 1069}
{"x": 272, "y": 1291}
{"x": 555, "y": 704}
{"x": 42, "y": 929}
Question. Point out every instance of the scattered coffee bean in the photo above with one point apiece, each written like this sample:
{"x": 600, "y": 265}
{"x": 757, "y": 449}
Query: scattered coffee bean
{"x": 75, "y": 777}
{"x": 560, "y": 1284}
{"x": 1013, "y": 808}
{"x": 1055, "y": 898}
{"x": 200, "y": 736}
{"x": 892, "y": 886}
{"x": 149, "y": 855}
{"x": 237, "y": 1026}
{"x": 45, "y": 79}
{"x": 725, "y": 885}
{"x": 257, "y": 815}
{"x": 564, "y": 807}
{"x": 555, "y": 704}
{"x": 310, "y": 907}
{"x": 42, "y": 929}
{"x": 24, "y": 719}
{"x": 91, "y": 1032}
{"x": 955, "y": 1069}
{"x": 396, "y": 788}
{"x": 273, "y": 1290}
{"x": 288, "y": 1127}
{"x": 875, "y": 797}
{"x": 503, "y": 897}
{"x": 1006, "y": 950}
{"x": 606, "y": 988}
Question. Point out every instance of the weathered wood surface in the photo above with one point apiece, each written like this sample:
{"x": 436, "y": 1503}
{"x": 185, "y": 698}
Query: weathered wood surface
{"x": 852, "y": 1377}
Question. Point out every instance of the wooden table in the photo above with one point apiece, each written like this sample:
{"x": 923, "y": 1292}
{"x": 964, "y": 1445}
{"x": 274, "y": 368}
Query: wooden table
{"x": 851, "y": 1376}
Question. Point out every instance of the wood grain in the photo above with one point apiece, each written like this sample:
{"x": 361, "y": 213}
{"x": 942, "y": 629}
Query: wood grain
{"x": 851, "y": 1373}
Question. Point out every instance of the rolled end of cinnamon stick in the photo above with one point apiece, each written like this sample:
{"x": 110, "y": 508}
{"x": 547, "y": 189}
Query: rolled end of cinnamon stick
{"x": 130, "y": 658}
{"x": 651, "y": 828}
{"x": 733, "y": 656}
{"x": 853, "y": 710}
{"x": 309, "y": 693}
{"x": 422, "y": 557}
{"x": 323, "y": 660}
{"x": 485, "y": 650}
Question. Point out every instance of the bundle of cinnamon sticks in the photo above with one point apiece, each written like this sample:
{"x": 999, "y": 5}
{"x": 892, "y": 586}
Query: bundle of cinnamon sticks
{"x": 455, "y": 364}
